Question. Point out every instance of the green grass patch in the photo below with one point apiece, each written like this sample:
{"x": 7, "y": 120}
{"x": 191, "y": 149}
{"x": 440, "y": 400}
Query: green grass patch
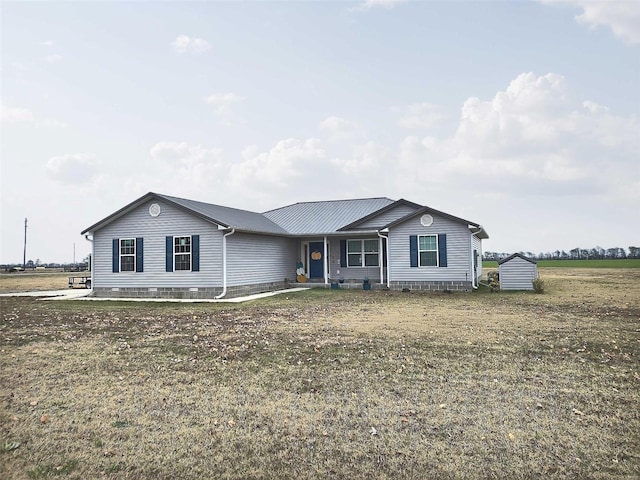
{"x": 619, "y": 263}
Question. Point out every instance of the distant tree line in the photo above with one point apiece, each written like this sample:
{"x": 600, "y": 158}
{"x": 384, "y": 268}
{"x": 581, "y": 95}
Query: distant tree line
{"x": 32, "y": 265}
{"x": 595, "y": 253}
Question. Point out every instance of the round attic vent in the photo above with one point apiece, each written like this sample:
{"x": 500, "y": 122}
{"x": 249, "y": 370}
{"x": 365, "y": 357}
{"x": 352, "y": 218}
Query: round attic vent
{"x": 426, "y": 220}
{"x": 154, "y": 210}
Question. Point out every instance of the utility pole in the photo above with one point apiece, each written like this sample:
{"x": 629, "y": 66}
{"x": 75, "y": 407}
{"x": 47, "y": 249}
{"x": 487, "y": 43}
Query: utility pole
{"x": 74, "y": 253}
{"x": 24, "y": 253}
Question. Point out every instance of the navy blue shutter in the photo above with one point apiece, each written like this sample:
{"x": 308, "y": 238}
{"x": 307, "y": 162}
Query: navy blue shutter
{"x": 384, "y": 253}
{"x": 139, "y": 255}
{"x": 442, "y": 249}
{"x": 413, "y": 250}
{"x": 115, "y": 255}
{"x": 343, "y": 253}
{"x": 195, "y": 253}
{"x": 169, "y": 254}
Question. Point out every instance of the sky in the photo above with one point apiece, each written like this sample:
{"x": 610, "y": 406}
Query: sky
{"x": 522, "y": 116}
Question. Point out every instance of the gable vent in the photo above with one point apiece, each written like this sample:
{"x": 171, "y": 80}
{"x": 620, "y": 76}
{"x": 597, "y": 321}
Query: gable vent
{"x": 426, "y": 220}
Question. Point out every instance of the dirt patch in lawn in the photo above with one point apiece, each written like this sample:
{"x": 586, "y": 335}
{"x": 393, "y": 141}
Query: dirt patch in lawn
{"x": 324, "y": 383}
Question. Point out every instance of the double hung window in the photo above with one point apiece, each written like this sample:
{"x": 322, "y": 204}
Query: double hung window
{"x": 182, "y": 253}
{"x": 363, "y": 253}
{"x": 127, "y": 254}
{"x": 428, "y": 250}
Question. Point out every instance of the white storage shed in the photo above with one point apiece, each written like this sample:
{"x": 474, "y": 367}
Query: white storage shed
{"x": 517, "y": 272}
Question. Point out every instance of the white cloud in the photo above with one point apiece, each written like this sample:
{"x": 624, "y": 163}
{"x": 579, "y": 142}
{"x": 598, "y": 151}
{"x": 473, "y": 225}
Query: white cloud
{"x": 420, "y": 116}
{"x": 195, "y": 165}
{"x": 55, "y": 58}
{"x": 222, "y": 102}
{"x": 593, "y": 107}
{"x": 291, "y": 167}
{"x": 77, "y": 168}
{"x": 529, "y": 139}
{"x": 339, "y": 129}
{"x": 282, "y": 165}
{"x": 368, "y": 163}
{"x": 15, "y": 114}
{"x": 26, "y": 116}
{"x": 47, "y": 43}
{"x": 187, "y": 44}
{"x": 622, "y": 17}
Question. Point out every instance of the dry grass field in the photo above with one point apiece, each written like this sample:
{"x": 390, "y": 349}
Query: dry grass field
{"x": 33, "y": 282}
{"x": 329, "y": 384}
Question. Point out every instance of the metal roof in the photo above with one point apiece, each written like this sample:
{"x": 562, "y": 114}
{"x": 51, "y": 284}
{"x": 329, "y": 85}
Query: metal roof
{"x": 304, "y": 218}
{"x": 324, "y": 217}
{"x": 229, "y": 217}
{"x": 223, "y": 216}
{"x": 516, "y": 255}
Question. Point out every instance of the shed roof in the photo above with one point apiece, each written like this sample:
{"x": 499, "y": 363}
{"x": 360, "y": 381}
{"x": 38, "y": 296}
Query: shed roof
{"x": 325, "y": 216}
{"x": 516, "y": 255}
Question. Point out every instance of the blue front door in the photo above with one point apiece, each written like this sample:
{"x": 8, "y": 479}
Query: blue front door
{"x": 316, "y": 260}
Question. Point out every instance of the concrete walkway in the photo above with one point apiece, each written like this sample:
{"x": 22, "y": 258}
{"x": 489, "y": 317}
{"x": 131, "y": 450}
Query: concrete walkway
{"x": 72, "y": 294}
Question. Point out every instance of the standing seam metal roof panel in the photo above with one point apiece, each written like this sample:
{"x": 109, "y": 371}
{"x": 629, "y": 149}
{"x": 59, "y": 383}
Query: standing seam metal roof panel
{"x": 324, "y": 216}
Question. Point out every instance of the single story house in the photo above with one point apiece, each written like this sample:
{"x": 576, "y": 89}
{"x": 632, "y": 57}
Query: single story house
{"x": 164, "y": 246}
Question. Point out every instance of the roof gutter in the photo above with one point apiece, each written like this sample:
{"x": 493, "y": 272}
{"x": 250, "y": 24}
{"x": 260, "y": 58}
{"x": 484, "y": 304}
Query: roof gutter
{"x": 224, "y": 263}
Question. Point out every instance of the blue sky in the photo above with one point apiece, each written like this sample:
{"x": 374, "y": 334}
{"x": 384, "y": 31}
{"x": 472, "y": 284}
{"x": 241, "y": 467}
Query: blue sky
{"x": 521, "y": 116}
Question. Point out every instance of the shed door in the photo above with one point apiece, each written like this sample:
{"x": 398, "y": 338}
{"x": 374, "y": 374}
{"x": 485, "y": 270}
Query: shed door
{"x": 316, "y": 260}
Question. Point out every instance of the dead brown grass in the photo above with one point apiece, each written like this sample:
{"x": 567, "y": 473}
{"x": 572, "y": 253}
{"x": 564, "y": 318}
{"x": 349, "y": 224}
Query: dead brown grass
{"x": 329, "y": 384}
{"x": 33, "y": 282}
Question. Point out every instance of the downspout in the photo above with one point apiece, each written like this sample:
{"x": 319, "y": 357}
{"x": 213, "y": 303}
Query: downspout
{"x": 381, "y": 263}
{"x": 326, "y": 263}
{"x": 224, "y": 263}
{"x": 86, "y": 237}
{"x": 474, "y": 280}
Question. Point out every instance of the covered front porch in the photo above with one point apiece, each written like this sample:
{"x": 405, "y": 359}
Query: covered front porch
{"x": 345, "y": 261}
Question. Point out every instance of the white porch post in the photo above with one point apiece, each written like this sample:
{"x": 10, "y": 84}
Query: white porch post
{"x": 380, "y": 259}
{"x": 326, "y": 263}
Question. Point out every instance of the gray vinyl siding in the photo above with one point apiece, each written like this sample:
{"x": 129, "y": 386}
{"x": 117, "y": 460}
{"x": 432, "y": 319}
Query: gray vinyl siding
{"x": 260, "y": 259}
{"x": 350, "y": 273}
{"x": 458, "y": 251}
{"x": 172, "y": 221}
{"x": 387, "y": 217}
{"x": 517, "y": 274}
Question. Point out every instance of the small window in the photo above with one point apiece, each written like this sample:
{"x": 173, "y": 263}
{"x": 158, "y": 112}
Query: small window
{"x": 127, "y": 254}
{"x": 182, "y": 253}
{"x": 428, "y": 250}
{"x": 359, "y": 250}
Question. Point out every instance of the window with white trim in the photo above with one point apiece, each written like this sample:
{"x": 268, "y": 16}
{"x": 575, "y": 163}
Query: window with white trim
{"x": 127, "y": 254}
{"x": 367, "y": 250}
{"x": 182, "y": 253}
{"x": 428, "y": 250}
